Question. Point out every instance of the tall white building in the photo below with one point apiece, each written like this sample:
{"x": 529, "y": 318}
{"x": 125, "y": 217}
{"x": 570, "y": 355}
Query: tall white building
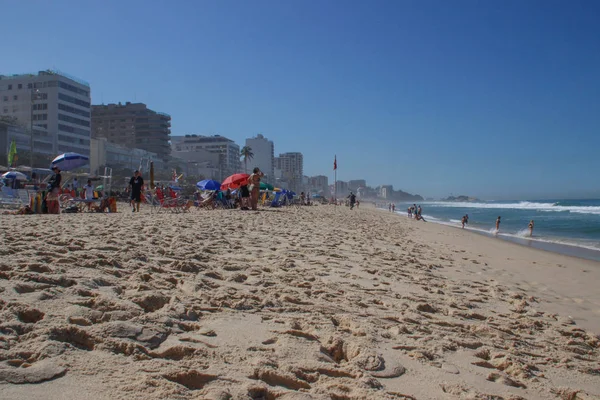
{"x": 56, "y": 103}
{"x": 264, "y": 156}
{"x": 292, "y": 169}
{"x": 196, "y": 147}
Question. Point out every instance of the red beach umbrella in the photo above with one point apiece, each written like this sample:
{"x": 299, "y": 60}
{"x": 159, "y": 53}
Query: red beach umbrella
{"x": 234, "y": 181}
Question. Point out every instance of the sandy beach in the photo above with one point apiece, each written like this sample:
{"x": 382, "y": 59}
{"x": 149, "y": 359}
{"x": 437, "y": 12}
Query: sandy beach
{"x": 302, "y": 303}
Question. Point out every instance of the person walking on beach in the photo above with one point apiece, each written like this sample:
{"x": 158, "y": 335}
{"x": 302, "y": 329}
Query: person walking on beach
{"x": 254, "y": 181}
{"x": 352, "y": 198}
{"x": 464, "y": 221}
{"x": 136, "y": 185}
{"x": 531, "y": 228}
{"x": 393, "y": 207}
{"x": 419, "y": 211}
{"x": 498, "y": 224}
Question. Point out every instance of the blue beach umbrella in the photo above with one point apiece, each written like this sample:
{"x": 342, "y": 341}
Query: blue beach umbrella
{"x": 70, "y": 161}
{"x": 208, "y": 184}
{"x": 14, "y": 175}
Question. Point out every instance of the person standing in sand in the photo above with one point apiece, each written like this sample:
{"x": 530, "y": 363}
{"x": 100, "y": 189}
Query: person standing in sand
{"x": 136, "y": 185}
{"x": 498, "y": 224}
{"x": 464, "y": 221}
{"x": 530, "y": 228}
{"x": 254, "y": 181}
{"x": 89, "y": 194}
{"x": 54, "y": 191}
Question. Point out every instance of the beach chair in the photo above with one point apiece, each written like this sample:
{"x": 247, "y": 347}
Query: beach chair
{"x": 171, "y": 202}
{"x": 181, "y": 205}
{"x": 9, "y": 198}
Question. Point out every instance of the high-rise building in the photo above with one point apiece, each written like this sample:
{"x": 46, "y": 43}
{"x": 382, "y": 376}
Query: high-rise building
{"x": 56, "y": 104}
{"x": 196, "y": 147}
{"x": 356, "y": 184}
{"x": 292, "y": 169}
{"x": 263, "y": 158}
{"x": 319, "y": 184}
{"x": 133, "y": 125}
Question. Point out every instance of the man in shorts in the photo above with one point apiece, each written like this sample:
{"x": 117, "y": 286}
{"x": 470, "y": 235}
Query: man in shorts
{"x": 136, "y": 185}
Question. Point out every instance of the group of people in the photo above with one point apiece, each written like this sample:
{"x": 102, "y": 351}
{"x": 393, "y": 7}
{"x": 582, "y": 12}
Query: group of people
{"x": 415, "y": 211}
{"x": 247, "y": 195}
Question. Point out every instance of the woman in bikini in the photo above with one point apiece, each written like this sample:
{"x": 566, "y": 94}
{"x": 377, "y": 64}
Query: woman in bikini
{"x": 530, "y": 228}
{"x": 254, "y": 181}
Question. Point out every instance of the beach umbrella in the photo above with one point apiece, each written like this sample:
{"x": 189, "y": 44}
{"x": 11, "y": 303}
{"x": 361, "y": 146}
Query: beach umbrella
{"x": 265, "y": 186}
{"x": 175, "y": 187}
{"x": 151, "y": 174}
{"x": 100, "y": 187}
{"x": 208, "y": 184}
{"x": 16, "y": 175}
{"x": 234, "y": 181}
{"x": 70, "y": 161}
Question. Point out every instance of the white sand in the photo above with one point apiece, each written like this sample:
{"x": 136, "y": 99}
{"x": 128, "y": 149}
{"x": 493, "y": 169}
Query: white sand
{"x": 311, "y": 303}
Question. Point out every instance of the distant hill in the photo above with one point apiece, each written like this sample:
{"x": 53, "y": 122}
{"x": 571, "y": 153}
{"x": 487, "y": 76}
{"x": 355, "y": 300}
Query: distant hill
{"x": 400, "y": 195}
{"x": 462, "y": 199}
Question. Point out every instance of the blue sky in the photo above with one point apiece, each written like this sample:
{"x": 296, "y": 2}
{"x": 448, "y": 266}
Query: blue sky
{"x": 497, "y": 99}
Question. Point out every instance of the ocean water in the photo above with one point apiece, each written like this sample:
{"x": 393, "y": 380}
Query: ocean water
{"x": 563, "y": 222}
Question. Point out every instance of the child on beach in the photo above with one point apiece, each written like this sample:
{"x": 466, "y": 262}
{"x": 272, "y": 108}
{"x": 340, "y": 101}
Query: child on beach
{"x": 498, "y": 224}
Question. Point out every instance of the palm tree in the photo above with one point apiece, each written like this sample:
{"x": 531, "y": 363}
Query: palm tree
{"x": 247, "y": 154}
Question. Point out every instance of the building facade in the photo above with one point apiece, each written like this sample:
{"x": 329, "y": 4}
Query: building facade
{"x": 319, "y": 184}
{"x": 292, "y": 169}
{"x": 263, "y": 158}
{"x": 134, "y": 126}
{"x": 196, "y": 148}
{"x": 357, "y": 184}
{"x": 106, "y": 154}
{"x": 53, "y": 103}
{"x": 42, "y": 142}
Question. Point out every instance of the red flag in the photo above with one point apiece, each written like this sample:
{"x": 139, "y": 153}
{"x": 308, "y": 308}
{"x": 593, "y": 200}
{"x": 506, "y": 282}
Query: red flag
{"x": 334, "y": 163}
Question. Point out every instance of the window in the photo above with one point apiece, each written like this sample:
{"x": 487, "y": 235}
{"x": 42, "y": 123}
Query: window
{"x": 20, "y": 86}
{"x": 5, "y": 98}
{"x": 73, "y": 100}
{"x": 9, "y": 87}
{"x": 15, "y": 97}
{"x": 72, "y": 120}
{"x": 30, "y": 86}
{"x": 73, "y": 89}
{"x": 77, "y": 131}
{"x": 5, "y": 109}
{"x": 73, "y": 110}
